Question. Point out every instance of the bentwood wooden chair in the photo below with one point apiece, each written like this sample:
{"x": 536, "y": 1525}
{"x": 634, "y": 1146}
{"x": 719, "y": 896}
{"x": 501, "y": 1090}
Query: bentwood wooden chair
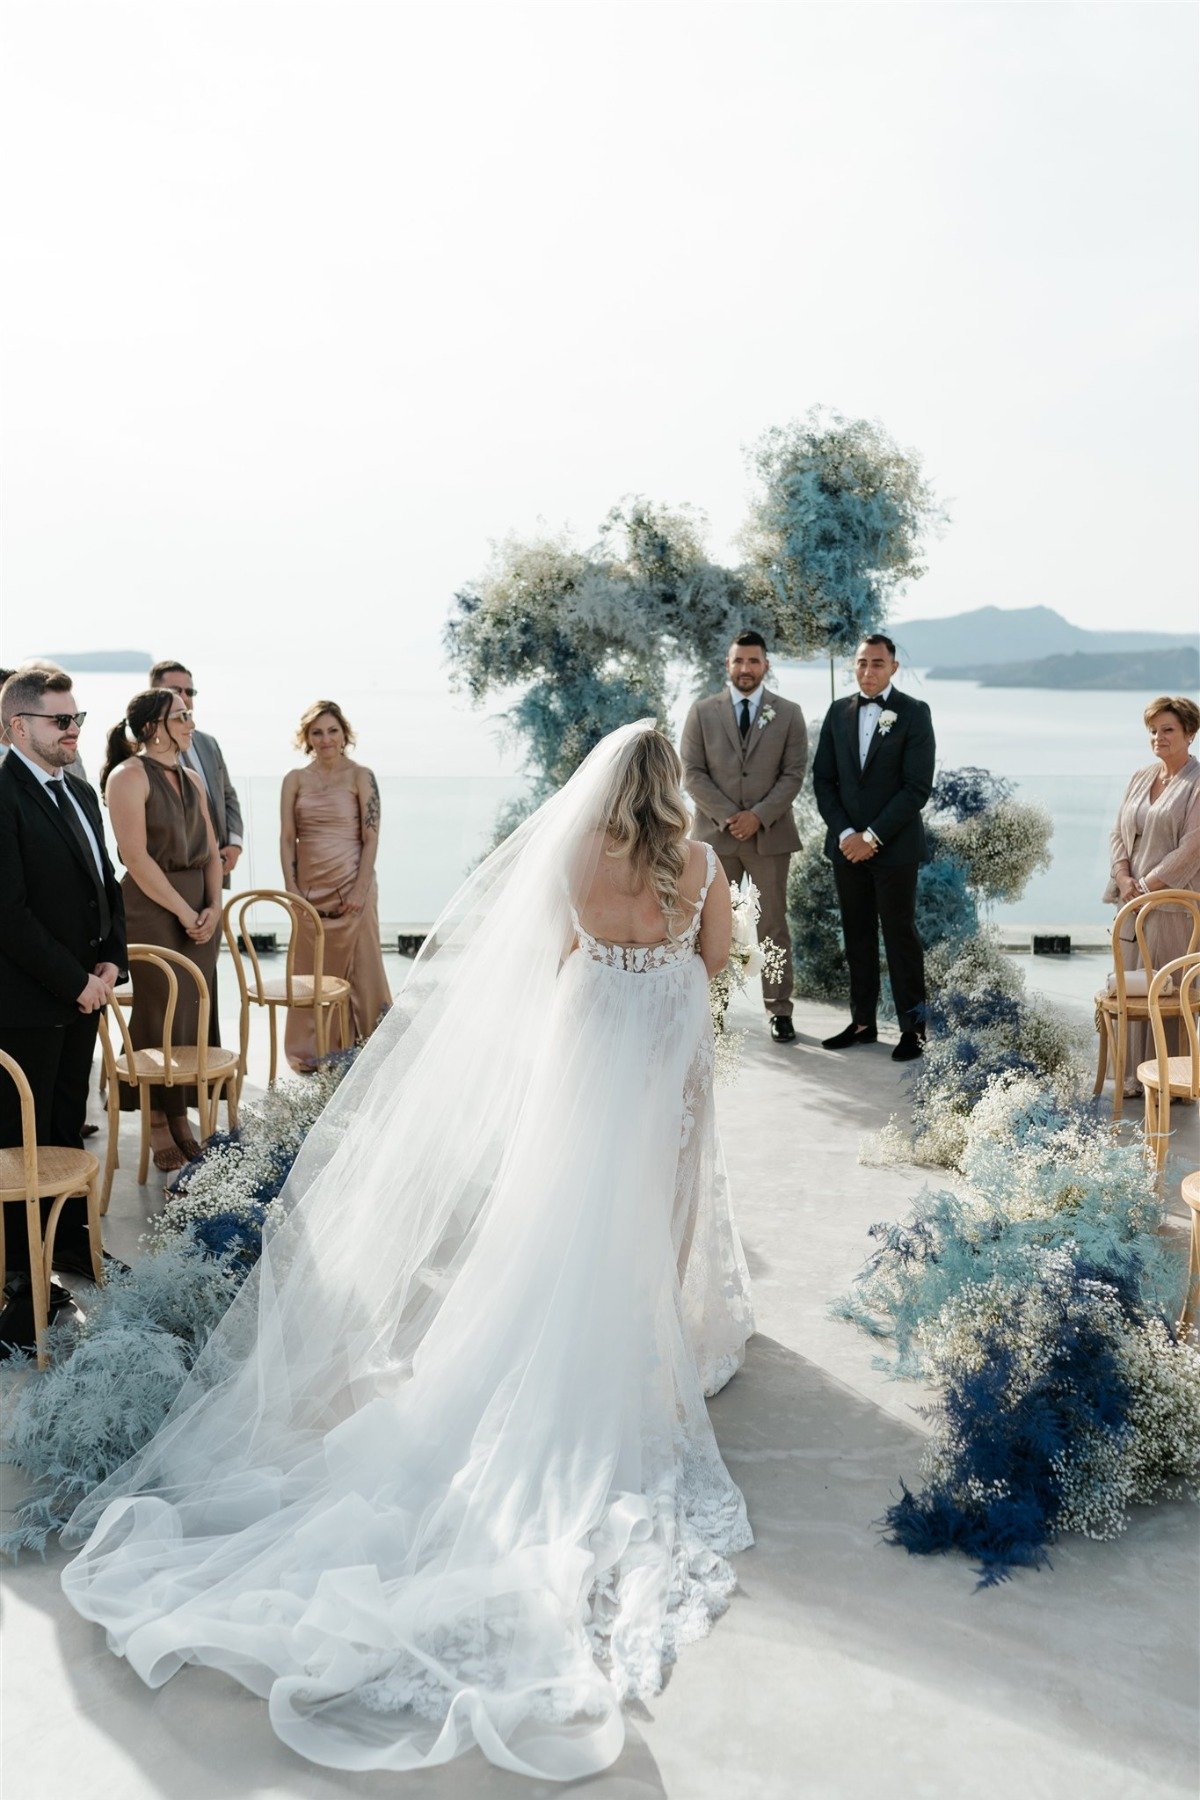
{"x": 323, "y": 995}
{"x": 1126, "y": 1000}
{"x": 36, "y": 1172}
{"x": 210, "y": 1070}
{"x": 1191, "y": 1301}
{"x": 1168, "y": 1077}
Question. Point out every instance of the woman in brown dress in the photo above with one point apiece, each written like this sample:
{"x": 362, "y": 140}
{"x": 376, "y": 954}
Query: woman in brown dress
{"x": 329, "y": 838}
{"x": 1156, "y": 844}
{"x": 172, "y": 890}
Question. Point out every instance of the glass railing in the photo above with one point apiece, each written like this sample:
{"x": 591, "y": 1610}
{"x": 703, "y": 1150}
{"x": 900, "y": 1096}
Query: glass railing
{"x": 433, "y": 833}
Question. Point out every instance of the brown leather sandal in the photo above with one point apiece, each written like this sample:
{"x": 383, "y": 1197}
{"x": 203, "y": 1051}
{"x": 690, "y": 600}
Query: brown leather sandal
{"x": 168, "y": 1159}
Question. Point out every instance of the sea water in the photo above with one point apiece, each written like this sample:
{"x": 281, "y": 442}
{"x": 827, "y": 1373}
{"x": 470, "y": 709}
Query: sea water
{"x": 445, "y": 768}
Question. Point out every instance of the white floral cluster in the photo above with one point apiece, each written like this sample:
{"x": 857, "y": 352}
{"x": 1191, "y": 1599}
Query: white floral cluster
{"x": 949, "y": 1091}
{"x": 1001, "y": 847}
{"x": 748, "y": 961}
{"x": 1054, "y": 1173}
{"x": 231, "y": 1175}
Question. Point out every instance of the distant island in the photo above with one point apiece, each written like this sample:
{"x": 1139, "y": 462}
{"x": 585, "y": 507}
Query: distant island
{"x": 102, "y": 662}
{"x": 1172, "y": 671}
{"x": 995, "y": 634}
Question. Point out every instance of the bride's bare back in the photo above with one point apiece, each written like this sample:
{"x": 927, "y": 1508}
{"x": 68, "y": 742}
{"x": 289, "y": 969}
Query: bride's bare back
{"x": 613, "y": 909}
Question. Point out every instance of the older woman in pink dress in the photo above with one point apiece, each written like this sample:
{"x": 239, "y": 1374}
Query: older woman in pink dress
{"x": 1156, "y": 844}
{"x": 328, "y": 844}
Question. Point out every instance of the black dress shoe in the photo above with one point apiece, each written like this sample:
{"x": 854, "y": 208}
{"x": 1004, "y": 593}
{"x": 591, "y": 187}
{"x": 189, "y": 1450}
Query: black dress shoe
{"x": 909, "y": 1047}
{"x": 16, "y": 1315}
{"x": 782, "y": 1029}
{"x": 79, "y": 1262}
{"x": 853, "y": 1034}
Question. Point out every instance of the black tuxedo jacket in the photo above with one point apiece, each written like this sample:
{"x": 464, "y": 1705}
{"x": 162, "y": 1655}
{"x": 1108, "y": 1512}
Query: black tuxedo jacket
{"x": 889, "y": 790}
{"x": 49, "y": 908}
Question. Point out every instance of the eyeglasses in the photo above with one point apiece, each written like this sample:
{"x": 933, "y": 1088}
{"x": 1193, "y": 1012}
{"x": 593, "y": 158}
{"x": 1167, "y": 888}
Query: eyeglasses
{"x": 61, "y": 721}
{"x": 186, "y": 692}
{"x": 180, "y": 718}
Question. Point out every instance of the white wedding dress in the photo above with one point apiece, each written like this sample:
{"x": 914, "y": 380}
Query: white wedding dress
{"x": 445, "y": 1477}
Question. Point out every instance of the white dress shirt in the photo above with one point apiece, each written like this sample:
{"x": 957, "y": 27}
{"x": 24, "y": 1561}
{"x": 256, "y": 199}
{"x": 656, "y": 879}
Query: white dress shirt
{"x": 868, "y": 719}
{"x": 55, "y": 781}
{"x": 754, "y": 699}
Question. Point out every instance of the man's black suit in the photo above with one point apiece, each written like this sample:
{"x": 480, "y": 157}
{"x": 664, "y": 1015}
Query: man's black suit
{"x": 885, "y": 794}
{"x": 50, "y": 942}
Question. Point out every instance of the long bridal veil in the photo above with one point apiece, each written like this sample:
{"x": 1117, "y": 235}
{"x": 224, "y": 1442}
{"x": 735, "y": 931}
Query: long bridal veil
{"x": 444, "y": 1474}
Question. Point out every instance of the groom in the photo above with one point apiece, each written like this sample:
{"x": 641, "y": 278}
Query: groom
{"x": 872, "y": 774}
{"x": 745, "y": 751}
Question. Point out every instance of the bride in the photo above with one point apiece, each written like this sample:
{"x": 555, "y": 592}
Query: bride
{"x": 444, "y": 1475}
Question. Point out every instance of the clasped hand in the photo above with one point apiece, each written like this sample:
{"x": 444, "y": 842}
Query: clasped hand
{"x": 743, "y": 825}
{"x": 203, "y": 924}
{"x": 98, "y": 988}
{"x": 856, "y": 848}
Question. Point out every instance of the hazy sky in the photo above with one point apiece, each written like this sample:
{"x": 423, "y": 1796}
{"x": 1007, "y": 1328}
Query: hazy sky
{"x": 304, "y": 304}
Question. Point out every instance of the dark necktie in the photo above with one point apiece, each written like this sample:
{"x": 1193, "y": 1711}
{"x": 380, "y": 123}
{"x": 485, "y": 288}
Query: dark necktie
{"x": 744, "y": 718}
{"x": 58, "y": 792}
{"x": 867, "y": 700}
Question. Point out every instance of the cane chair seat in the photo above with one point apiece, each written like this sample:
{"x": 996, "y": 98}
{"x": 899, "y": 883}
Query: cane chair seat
{"x": 59, "y": 1170}
{"x": 333, "y": 988}
{"x": 151, "y": 1065}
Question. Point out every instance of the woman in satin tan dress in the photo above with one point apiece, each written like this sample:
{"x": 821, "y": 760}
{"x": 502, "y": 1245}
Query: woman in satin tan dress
{"x": 1156, "y": 844}
{"x": 172, "y": 888}
{"x": 328, "y": 843}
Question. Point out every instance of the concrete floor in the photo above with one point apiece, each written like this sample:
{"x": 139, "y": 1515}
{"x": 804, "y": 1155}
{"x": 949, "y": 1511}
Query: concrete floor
{"x": 844, "y": 1669}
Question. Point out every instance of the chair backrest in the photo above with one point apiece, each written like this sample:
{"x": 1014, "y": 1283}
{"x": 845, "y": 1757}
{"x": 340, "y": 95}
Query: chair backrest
{"x": 166, "y": 961}
{"x": 1185, "y": 972}
{"x": 28, "y": 1126}
{"x": 1139, "y": 909}
{"x": 302, "y": 916}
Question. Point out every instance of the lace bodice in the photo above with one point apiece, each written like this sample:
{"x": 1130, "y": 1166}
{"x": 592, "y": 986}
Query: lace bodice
{"x": 641, "y": 959}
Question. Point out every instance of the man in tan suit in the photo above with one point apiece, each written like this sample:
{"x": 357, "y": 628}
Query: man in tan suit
{"x": 745, "y": 752}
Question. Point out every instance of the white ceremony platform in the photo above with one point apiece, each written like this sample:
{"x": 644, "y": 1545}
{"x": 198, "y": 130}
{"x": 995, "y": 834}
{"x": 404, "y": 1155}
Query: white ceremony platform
{"x": 844, "y": 1669}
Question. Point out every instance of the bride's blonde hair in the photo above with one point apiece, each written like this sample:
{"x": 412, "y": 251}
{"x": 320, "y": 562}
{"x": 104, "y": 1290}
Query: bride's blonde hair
{"x": 649, "y": 821}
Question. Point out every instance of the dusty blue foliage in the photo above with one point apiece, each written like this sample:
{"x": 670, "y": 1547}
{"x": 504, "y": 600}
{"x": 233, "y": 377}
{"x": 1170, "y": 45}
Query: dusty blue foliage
{"x": 947, "y": 912}
{"x": 109, "y": 1384}
{"x": 965, "y": 793}
{"x": 589, "y": 635}
{"x": 838, "y": 527}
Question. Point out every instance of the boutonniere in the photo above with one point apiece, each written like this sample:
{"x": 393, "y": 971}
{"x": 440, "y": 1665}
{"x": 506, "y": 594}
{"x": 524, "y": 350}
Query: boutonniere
{"x": 886, "y": 721}
{"x": 765, "y": 717}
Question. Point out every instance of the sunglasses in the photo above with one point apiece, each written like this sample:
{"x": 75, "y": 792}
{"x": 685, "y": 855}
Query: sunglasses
{"x": 180, "y": 718}
{"x": 188, "y": 693}
{"x": 61, "y": 721}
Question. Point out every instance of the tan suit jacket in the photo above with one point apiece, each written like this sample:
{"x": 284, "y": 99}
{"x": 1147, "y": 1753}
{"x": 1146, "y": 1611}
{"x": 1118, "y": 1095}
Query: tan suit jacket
{"x": 763, "y": 773}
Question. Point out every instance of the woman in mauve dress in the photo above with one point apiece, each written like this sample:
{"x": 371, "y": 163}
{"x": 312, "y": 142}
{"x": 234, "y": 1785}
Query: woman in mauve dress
{"x": 1156, "y": 845}
{"x": 328, "y": 844}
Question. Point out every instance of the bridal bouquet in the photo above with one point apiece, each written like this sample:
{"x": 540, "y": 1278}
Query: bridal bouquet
{"x": 748, "y": 961}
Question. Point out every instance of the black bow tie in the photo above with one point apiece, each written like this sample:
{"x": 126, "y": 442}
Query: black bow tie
{"x": 867, "y": 700}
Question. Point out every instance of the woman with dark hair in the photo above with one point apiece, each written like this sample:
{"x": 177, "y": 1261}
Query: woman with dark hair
{"x": 329, "y": 837}
{"x": 1155, "y": 844}
{"x": 172, "y": 890}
